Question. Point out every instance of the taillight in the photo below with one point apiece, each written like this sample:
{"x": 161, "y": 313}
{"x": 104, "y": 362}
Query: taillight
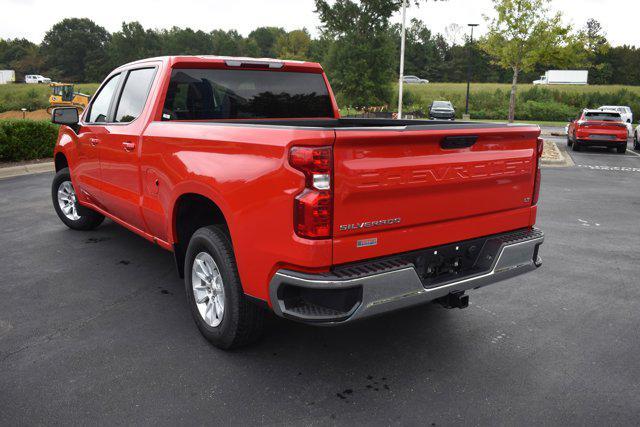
{"x": 313, "y": 207}
{"x": 536, "y": 184}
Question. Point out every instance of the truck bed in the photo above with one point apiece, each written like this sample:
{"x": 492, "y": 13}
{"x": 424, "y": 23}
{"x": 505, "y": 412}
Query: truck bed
{"x": 403, "y": 185}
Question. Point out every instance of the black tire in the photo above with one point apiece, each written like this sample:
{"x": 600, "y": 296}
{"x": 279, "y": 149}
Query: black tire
{"x": 242, "y": 321}
{"x": 87, "y": 219}
{"x": 569, "y": 143}
{"x": 576, "y": 146}
{"x": 636, "y": 142}
{"x": 622, "y": 149}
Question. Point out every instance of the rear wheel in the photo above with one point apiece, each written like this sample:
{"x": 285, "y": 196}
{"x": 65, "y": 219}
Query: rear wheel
{"x": 622, "y": 149}
{"x": 65, "y": 203}
{"x": 216, "y": 299}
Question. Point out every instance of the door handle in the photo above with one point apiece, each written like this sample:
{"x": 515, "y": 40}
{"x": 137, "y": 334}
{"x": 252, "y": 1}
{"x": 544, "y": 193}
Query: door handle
{"x": 452, "y": 142}
{"x": 94, "y": 141}
{"x": 128, "y": 146}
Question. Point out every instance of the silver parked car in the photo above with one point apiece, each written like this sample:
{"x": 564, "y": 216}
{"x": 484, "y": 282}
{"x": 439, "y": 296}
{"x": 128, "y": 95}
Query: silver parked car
{"x": 414, "y": 80}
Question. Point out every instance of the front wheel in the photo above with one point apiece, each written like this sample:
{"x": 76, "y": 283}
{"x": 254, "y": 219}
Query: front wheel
{"x": 576, "y": 146}
{"x": 65, "y": 203}
{"x": 214, "y": 292}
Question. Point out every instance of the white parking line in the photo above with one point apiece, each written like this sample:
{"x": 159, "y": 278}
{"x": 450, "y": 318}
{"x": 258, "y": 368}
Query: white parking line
{"x": 593, "y": 153}
{"x": 610, "y": 168}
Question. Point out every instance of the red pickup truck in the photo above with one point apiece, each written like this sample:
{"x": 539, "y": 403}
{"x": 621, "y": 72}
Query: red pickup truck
{"x": 244, "y": 169}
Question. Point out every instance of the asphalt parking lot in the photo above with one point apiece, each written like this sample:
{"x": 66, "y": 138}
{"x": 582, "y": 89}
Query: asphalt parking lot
{"x": 94, "y": 328}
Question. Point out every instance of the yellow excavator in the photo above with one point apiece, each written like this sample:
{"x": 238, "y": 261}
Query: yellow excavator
{"x": 63, "y": 96}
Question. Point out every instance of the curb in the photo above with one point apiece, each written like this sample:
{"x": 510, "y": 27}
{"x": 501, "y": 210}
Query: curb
{"x": 564, "y": 160}
{"x": 26, "y": 169}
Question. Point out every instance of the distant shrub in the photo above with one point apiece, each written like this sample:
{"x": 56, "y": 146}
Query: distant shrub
{"x": 544, "y": 110}
{"x": 491, "y": 101}
{"x": 26, "y": 140}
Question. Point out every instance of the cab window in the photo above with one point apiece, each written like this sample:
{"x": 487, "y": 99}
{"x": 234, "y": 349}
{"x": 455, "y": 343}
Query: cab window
{"x": 134, "y": 94}
{"x": 203, "y": 94}
{"x": 100, "y": 106}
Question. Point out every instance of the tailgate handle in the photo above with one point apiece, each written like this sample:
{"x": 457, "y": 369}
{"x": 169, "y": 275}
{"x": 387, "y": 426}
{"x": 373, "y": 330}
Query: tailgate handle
{"x": 451, "y": 142}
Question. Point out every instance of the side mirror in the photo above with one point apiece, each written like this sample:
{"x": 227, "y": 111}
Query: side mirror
{"x": 65, "y": 116}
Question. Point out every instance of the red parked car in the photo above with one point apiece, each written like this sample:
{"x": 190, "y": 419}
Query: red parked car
{"x": 598, "y": 128}
{"x": 244, "y": 169}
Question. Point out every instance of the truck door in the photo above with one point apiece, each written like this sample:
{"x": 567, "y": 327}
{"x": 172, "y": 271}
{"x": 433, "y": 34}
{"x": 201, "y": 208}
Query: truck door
{"x": 87, "y": 169}
{"x": 119, "y": 149}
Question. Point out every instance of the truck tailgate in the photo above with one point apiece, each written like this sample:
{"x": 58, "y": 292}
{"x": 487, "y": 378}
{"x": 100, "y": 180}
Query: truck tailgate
{"x": 402, "y": 189}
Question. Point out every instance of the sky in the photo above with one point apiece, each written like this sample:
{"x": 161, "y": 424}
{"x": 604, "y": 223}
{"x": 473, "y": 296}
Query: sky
{"x": 32, "y": 18}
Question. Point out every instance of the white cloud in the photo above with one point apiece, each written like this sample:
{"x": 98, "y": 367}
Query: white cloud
{"x": 32, "y": 18}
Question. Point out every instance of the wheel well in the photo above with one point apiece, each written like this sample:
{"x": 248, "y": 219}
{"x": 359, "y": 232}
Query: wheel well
{"x": 192, "y": 212}
{"x": 61, "y": 162}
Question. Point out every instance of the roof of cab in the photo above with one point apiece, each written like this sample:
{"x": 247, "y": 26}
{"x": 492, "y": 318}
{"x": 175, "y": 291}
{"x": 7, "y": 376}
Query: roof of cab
{"x": 231, "y": 62}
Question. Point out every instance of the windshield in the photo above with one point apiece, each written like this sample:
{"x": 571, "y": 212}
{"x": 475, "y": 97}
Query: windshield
{"x": 201, "y": 94}
{"x": 602, "y": 116}
{"x": 441, "y": 104}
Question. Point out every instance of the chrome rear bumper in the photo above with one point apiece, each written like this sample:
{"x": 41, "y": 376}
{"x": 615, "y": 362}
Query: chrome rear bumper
{"x": 390, "y": 286}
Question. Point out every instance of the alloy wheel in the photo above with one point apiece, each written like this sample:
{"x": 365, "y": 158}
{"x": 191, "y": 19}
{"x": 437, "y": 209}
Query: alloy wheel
{"x": 208, "y": 289}
{"x": 68, "y": 201}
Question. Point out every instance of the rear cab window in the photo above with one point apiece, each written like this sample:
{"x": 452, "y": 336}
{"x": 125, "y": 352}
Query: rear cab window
{"x": 134, "y": 94}
{"x": 221, "y": 94}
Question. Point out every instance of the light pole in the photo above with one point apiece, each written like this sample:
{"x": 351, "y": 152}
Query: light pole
{"x": 466, "y": 109}
{"x": 402, "y": 37}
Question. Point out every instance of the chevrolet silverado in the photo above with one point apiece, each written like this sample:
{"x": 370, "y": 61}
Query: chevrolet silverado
{"x": 268, "y": 199}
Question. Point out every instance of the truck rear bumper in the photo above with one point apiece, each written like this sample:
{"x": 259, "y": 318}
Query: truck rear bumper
{"x": 363, "y": 290}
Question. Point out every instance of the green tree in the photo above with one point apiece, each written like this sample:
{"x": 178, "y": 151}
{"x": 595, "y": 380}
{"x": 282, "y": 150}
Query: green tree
{"x": 294, "y": 45}
{"x": 319, "y": 48}
{"x": 265, "y": 38}
{"x": 523, "y": 35}
{"x": 132, "y": 43}
{"x": 362, "y": 57}
{"x": 227, "y": 43}
{"x": 595, "y": 38}
{"x": 421, "y": 51}
{"x": 71, "y": 45}
{"x": 596, "y": 49}
{"x": 22, "y": 56}
{"x": 185, "y": 41}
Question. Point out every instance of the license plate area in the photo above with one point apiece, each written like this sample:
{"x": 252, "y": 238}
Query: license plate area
{"x": 452, "y": 262}
{"x": 602, "y": 137}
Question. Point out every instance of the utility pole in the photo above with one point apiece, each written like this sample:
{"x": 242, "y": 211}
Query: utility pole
{"x": 402, "y": 38}
{"x": 466, "y": 110}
